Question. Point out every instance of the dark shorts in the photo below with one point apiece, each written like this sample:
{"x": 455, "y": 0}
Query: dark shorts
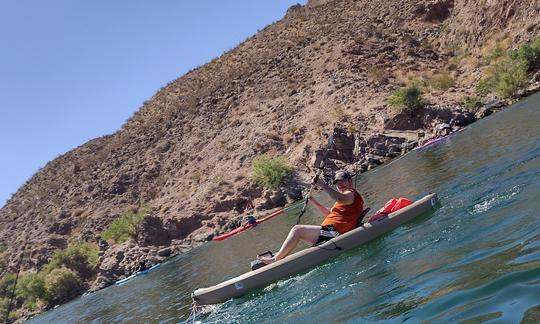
{"x": 327, "y": 232}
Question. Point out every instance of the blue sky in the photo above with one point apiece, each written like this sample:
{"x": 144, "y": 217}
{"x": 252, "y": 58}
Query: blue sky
{"x": 71, "y": 71}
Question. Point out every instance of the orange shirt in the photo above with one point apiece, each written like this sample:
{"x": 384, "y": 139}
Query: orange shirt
{"x": 345, "y": 217}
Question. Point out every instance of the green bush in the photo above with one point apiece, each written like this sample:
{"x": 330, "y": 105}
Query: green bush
{"x": 6, "y": 284}
{"x": 80, "y": 257}
{"x": 407, "y": 99}
{"x": 31, "y": 287}
{"x": 62, "y": 285}
{"x": 528, "y": 54}
{"x": 509, "y": 74}
{"x": 496, "y": 53}
{"x": 505, "y": 78}
{"x": 270, "y": 172}
{"x": 13, "y": 315}
{"x": 126, "y": 226}
{"x": 471, "y": 103}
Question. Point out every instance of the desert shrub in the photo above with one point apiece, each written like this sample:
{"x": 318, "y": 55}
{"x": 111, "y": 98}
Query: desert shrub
{"x": 80, "y": 257}
{"x": 13, "y": 315}
{"x": 126, "y": 226}
{"x": 407, "y": 99}
{"x": 6, "y": 284}
{"x": 62, "y": 284}
{"x": 441, "y": 81}
{"x": 31, "y": 287}
{"x": 528, "y": 54}
{"x": 508, "y": 74}
{"x": 471, "y": 103}
{"x": 376, "y": 74}
{"x": 338, "y": 112}
{"x": 505, "y": 78}
{"x": 495, "y": 54}
{"x": 269, "y": 172}
{"x": 3, "y": 258}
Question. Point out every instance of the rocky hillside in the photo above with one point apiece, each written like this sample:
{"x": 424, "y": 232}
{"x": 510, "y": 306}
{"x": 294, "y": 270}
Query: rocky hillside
{"x": 187, "y": 153}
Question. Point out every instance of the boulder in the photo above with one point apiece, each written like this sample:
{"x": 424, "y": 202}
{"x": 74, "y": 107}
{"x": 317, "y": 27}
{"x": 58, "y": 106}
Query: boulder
{"x": 394, "y": 148}
{"x": 464, "y": 118}
{"x": 483, "y": 112}
{"x": 165, "y": 252}
{"x": 409, "y": 145}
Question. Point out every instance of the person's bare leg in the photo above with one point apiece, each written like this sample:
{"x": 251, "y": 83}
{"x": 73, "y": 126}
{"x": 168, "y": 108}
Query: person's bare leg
{"x": 308, "y": 233}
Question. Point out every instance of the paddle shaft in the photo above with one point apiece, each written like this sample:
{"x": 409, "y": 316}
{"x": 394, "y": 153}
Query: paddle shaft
{"x": 306, "y": 201}
{"x": 316, "y": 177}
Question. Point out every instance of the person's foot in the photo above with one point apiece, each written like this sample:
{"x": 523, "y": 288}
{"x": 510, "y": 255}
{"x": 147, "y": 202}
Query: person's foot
{"x": 266, "y": 259}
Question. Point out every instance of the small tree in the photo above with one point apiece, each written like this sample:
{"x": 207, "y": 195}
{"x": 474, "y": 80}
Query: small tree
{"x": 269, "y": 172}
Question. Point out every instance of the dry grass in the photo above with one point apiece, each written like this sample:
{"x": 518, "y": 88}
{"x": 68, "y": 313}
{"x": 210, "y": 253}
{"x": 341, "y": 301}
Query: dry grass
{"x": 273, "y": 135}
{"x": 376, "y": 74}
{"x": 441, "y": 80}
{"x": 494, "y": 49}
{"x": 338, "y": 113}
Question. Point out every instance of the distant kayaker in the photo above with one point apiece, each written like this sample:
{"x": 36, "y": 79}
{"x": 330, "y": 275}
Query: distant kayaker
{"x": 341, "y": 218}
{"x": 142, "y": 266}
{"x": 443, "y": 130}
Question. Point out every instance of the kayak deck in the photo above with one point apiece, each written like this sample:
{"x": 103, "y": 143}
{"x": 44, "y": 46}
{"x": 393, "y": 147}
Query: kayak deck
{"x": 310, "y": 257}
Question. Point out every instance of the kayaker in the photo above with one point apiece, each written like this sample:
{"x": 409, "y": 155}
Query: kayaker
{"x": 341, "y": 218}
{"x": 443, "y": 129}
{"x": 142, "y": 266}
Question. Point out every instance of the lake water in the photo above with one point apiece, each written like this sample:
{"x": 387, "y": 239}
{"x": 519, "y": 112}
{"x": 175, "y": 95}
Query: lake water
{"x": 476, "y": 258}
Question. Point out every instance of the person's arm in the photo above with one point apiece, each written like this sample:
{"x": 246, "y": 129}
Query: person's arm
{"x": 345, "y": 198}
{"x": 323, "y": 210}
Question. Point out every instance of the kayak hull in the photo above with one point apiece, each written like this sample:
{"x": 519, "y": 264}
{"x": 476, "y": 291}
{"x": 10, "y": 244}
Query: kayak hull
{"x": 310, "y": 257}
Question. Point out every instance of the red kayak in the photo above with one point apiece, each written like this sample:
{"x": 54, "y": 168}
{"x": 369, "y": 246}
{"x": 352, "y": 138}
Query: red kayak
{"x": 246, "y": 226}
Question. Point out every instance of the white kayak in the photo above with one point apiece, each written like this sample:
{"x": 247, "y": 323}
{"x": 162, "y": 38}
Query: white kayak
{"x": 310, "y": 257}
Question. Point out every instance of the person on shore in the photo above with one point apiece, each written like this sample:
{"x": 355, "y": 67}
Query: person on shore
{"x": 341, "y": 218}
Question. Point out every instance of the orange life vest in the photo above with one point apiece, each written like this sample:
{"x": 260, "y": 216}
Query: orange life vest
{"x": 345, "y": 217}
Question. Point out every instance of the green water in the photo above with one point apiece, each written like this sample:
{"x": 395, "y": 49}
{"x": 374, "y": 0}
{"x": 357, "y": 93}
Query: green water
{"x": 475, "y": 259}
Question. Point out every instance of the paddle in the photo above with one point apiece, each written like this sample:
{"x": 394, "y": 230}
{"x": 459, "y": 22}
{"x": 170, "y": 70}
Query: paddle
{"x": 316, "y": 177}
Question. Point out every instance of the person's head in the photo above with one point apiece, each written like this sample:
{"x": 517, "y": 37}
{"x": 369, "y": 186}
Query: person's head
{"x": 343, "y": 180}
